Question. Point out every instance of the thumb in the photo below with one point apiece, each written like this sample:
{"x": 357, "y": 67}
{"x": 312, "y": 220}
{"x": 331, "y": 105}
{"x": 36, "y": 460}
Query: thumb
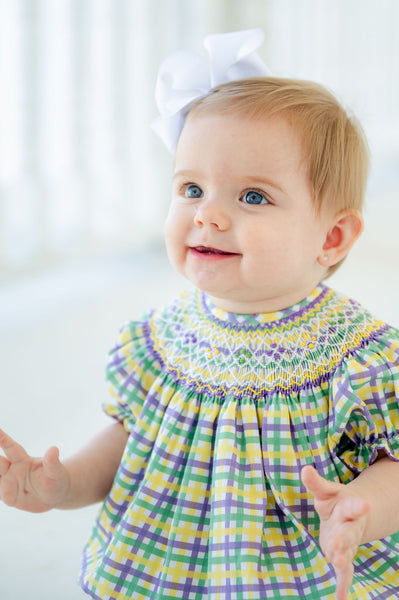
{"x": 321, "y": 488}
{"x": 51, "y": 462}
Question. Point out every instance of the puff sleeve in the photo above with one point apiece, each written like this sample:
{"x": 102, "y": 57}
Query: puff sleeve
{"x": 364, "y": 409}
{"x": 129, "y": 373}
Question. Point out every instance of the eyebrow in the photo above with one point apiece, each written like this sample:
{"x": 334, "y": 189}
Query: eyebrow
{"x": 186, "y": 173}
{"x": 253, "y": 179}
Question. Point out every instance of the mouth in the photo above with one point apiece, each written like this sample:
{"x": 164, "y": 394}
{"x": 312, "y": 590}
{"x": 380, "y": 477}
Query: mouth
{"x": 209, "y": 251}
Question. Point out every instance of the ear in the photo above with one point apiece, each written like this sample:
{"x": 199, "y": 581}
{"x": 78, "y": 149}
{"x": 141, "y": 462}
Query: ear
{"x": 346, "y": 228}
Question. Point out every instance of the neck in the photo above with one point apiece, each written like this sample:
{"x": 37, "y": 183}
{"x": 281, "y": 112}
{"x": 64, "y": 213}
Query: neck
{"x": 265, "y": 306}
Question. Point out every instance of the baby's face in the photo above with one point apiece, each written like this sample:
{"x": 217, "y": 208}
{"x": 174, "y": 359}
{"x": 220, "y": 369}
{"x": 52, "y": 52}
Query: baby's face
{"x": 242, "y": 225}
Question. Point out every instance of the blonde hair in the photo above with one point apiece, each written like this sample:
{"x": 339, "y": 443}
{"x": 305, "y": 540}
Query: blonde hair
{"x": 333, "y": 143}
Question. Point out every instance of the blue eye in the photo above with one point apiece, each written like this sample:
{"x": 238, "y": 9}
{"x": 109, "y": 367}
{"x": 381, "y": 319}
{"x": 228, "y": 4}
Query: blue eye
{"x": 254, "y": 197}
{"x": 193, "y": 191}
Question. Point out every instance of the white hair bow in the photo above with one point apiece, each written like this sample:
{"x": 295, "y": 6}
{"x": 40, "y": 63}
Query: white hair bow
{"x": 185, "y": 77}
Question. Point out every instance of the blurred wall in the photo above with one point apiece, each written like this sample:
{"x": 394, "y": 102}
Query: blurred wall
{"x": 81, "y": 174}
{"x": 84, "y": 188}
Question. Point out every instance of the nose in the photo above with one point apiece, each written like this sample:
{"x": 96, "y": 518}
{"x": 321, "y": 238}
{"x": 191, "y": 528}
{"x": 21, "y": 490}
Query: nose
{"x": 212, "y": 212}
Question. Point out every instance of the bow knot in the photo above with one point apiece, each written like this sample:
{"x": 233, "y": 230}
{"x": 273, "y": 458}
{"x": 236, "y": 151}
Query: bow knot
{"x": 185, "y": 76}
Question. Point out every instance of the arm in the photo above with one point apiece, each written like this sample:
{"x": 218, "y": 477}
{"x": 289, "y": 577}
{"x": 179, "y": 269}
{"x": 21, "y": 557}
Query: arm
{"x": 92, "y": 470}
{"x": 379, "y": 485}
{"x": 40, "y": 484}
{"x": 350, "y": 515}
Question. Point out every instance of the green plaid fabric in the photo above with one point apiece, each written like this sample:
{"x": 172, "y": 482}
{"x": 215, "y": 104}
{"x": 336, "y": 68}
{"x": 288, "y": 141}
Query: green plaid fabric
{"x": 223, "y": 412}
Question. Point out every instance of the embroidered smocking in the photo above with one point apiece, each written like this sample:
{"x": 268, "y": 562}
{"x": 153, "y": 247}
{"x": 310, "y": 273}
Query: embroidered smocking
{"x": 219, "y": 353}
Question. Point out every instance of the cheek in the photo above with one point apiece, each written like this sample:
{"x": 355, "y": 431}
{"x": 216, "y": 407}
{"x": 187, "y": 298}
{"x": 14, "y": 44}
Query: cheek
{"x": 168, "y": 227}
{"x": 170, "y": 236}
{"x": 172, "y": 222}
{"x": 175, "y": 234}
{"x": 280, "y": 247}
{"x": 267, "y": 244}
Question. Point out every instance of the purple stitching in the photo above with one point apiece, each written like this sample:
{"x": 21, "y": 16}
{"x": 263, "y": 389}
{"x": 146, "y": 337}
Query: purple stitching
{"x": 220, "y": 392}
{"x": 248, "y": 327}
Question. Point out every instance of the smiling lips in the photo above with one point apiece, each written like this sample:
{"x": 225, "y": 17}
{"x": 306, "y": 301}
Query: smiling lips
{"x": 208, "y": 252}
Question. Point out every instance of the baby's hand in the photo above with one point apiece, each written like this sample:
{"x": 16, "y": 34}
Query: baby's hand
{"x": 31, "y": 484}
{"x": 342, "y": 524}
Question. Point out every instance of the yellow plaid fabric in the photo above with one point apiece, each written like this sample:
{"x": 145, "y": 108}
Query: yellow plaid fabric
{"x": 223, "y": 412}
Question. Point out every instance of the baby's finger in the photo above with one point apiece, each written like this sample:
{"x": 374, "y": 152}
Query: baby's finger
{"x": 352, "y": 508}
{"x": 51, "y": 463}
{"x": 13, "y": 451}
{"x": 4, "y": 466}
{"x": 9, "y": 491}
{"x": 344, "y": 542}
{"x": 318, "y": 486}
{"x": 344, "y": 581}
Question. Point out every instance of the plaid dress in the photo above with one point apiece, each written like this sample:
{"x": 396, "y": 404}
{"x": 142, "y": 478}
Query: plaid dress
{"x": 223, "y": 411}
